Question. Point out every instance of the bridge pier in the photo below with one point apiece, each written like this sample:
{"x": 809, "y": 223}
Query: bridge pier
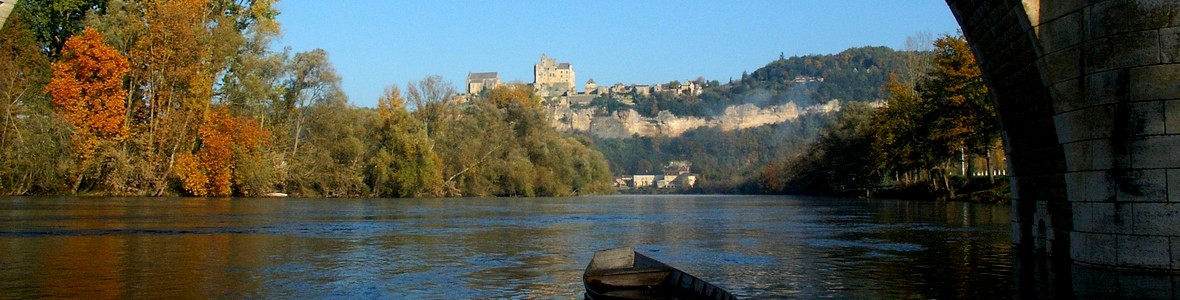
{"x": 1088, "y": 93}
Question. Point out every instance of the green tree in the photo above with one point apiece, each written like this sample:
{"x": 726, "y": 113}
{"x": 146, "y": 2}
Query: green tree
{"x": 404, "y": 165}
{"x": 55, "y": 21}
{"x": 32, "y": 138}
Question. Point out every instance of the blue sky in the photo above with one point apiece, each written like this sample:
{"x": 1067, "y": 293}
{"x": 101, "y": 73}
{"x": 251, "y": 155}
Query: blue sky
{"x": 374, "y": 44}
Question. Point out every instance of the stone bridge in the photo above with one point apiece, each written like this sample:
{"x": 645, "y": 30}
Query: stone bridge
{"x": 1088, "y": 93}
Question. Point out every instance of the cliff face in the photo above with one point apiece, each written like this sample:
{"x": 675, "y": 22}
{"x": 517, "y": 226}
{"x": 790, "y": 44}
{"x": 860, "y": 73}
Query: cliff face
{"x": 628, "y": 123}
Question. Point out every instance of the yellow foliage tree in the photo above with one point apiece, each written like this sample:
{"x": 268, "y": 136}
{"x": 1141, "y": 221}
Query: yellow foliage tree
{"x": 504, "y": 95}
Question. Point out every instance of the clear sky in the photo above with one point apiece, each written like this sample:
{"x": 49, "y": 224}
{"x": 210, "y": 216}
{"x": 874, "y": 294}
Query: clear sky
{"x": 374, "y": 43}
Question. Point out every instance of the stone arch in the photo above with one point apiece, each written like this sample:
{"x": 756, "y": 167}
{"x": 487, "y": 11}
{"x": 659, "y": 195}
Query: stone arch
{"x": 1088, "y": 94}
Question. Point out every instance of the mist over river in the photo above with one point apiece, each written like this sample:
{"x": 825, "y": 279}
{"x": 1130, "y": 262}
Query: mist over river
{"x": 754, "y": 246}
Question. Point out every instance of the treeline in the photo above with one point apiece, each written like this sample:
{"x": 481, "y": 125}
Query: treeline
{"x": 916, "y": 141}
{"x": 185, "y": 97}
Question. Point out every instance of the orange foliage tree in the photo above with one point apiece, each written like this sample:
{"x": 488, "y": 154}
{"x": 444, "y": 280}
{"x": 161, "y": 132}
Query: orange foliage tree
{"x": 87, "y": 89}
{"x": 209, "y": 171}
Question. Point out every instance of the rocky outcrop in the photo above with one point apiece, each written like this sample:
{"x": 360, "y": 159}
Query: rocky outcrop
{"x": 628, "y": 123}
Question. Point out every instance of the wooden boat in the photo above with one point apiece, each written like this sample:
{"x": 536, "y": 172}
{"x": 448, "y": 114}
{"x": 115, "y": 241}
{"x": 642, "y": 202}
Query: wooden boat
{"x": 622, "y": 273}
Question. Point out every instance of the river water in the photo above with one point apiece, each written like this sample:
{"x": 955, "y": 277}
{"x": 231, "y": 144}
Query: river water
{"x": 754, "y": 246}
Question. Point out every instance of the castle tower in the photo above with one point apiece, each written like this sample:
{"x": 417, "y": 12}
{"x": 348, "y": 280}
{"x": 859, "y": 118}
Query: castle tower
{"x": 590, "y": 86}
{"x": 551, "y": 78}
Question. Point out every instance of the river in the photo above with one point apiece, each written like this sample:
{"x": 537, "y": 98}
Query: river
{"x": 754, "y": 246}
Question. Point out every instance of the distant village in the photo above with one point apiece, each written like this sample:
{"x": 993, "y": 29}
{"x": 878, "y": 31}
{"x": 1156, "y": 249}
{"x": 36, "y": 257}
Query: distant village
{"x": 555, "y": 83}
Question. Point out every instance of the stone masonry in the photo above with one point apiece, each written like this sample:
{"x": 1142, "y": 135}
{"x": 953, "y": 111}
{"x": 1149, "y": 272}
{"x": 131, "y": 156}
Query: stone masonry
{"x": 1088, "y": 93}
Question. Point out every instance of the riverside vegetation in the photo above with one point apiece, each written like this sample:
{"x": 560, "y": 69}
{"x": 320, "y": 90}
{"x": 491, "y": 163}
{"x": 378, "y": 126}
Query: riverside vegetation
{"x": 184, "y": 97}
{"x": 126, "y": 97}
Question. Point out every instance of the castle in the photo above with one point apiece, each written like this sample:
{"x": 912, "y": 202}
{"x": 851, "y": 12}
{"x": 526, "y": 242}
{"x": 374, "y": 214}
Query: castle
{"x": 554, "y": 80}
{"x": 551, "y": 78}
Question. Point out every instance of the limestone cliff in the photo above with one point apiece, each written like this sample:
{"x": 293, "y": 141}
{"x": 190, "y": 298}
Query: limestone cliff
{"x": 628, "y": 123}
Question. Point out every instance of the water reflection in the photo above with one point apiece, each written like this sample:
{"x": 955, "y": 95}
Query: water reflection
{"x": 490, "y": 248}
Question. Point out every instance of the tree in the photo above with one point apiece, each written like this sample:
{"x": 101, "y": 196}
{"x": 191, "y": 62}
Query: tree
{"x": 430, "y": 97}
{"x": 32, "y": 137}
{"x": 504, "y": 95}
{"x": 210, "y": 170}
{"x": 311, "y": 79}
{"x": 404, "y": 164}
{"x": 54, "y": 21}
{"x": 962, "y": 115}
{"x": 87, "y": 89}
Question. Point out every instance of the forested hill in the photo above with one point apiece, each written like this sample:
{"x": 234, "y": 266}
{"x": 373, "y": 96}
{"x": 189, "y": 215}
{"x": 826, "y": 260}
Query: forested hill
{"x": 727, "y": 159}
{"x": 856, "y": 75}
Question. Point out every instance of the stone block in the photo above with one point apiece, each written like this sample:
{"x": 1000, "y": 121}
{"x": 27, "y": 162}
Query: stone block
{"x": 1173, "y": 185}
{"x": 1114, "y": 17}
{"x": 1159, "y": 82}
{"x": 1077, "y": 158}
{"x": 1175, "y": 253}
{"x": 1085, "y": 124}
{"x": 1172, "y": 117}
{"x": 1157, "y": 219}
{"x": 1083, "y": 217}
{"x": 1145, "y": 118}
{"x": 1061, "y": 33}
{"x": 1093, "y": 248}
{"x": 1123, "y": 50}
{"x": 1144, "y": 286}
{"x": 1112, "y": 218}
{"x": 1067, "y": 95}
{"x": 1144, "y": 251}
{"x": 1050, "y": 10}
{"x": 1090, "y": 155}
{"x": 1155, "y": 152}
{"x": 1090, "y": 186}
{"x": 1079, "y": 247}
{"x": 1170, "y": 44}
{"x": 1142, "y": 186}
{"x": 1063, "y": 65}
{"x": 1106, "y": 87}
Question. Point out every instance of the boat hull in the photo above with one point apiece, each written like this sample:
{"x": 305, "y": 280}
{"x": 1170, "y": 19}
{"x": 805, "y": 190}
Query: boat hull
{"x": 622, "y": 273}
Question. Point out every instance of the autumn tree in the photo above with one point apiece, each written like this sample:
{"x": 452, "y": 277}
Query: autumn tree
{"x": 503, "y": 95}
{"x": 210, "y": 170}
{"x": 962, "y": 117}
{"x": 87, "y": 89}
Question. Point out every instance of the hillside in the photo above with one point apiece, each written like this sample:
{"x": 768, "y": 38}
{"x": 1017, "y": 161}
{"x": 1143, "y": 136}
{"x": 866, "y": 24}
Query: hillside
{"x": 778, "y": 92}
{"x": 731, "y": 130}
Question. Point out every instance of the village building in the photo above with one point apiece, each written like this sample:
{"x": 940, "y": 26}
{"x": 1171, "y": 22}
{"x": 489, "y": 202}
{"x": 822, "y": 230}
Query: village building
{"x": 676, "y": 175}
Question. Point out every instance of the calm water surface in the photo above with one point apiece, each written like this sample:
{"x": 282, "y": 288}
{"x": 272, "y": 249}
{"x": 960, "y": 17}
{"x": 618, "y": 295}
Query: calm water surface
{"x": 756, "y": 247}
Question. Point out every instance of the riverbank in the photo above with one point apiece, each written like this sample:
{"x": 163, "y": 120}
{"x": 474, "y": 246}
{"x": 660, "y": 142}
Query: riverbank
{"x": 976, "y": 190}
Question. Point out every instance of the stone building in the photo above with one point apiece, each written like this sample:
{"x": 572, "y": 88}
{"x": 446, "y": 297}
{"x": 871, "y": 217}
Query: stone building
{"x": 478, "y": 82}
{"x": 551, "y": 78}
{"x": 590, "y": 86}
